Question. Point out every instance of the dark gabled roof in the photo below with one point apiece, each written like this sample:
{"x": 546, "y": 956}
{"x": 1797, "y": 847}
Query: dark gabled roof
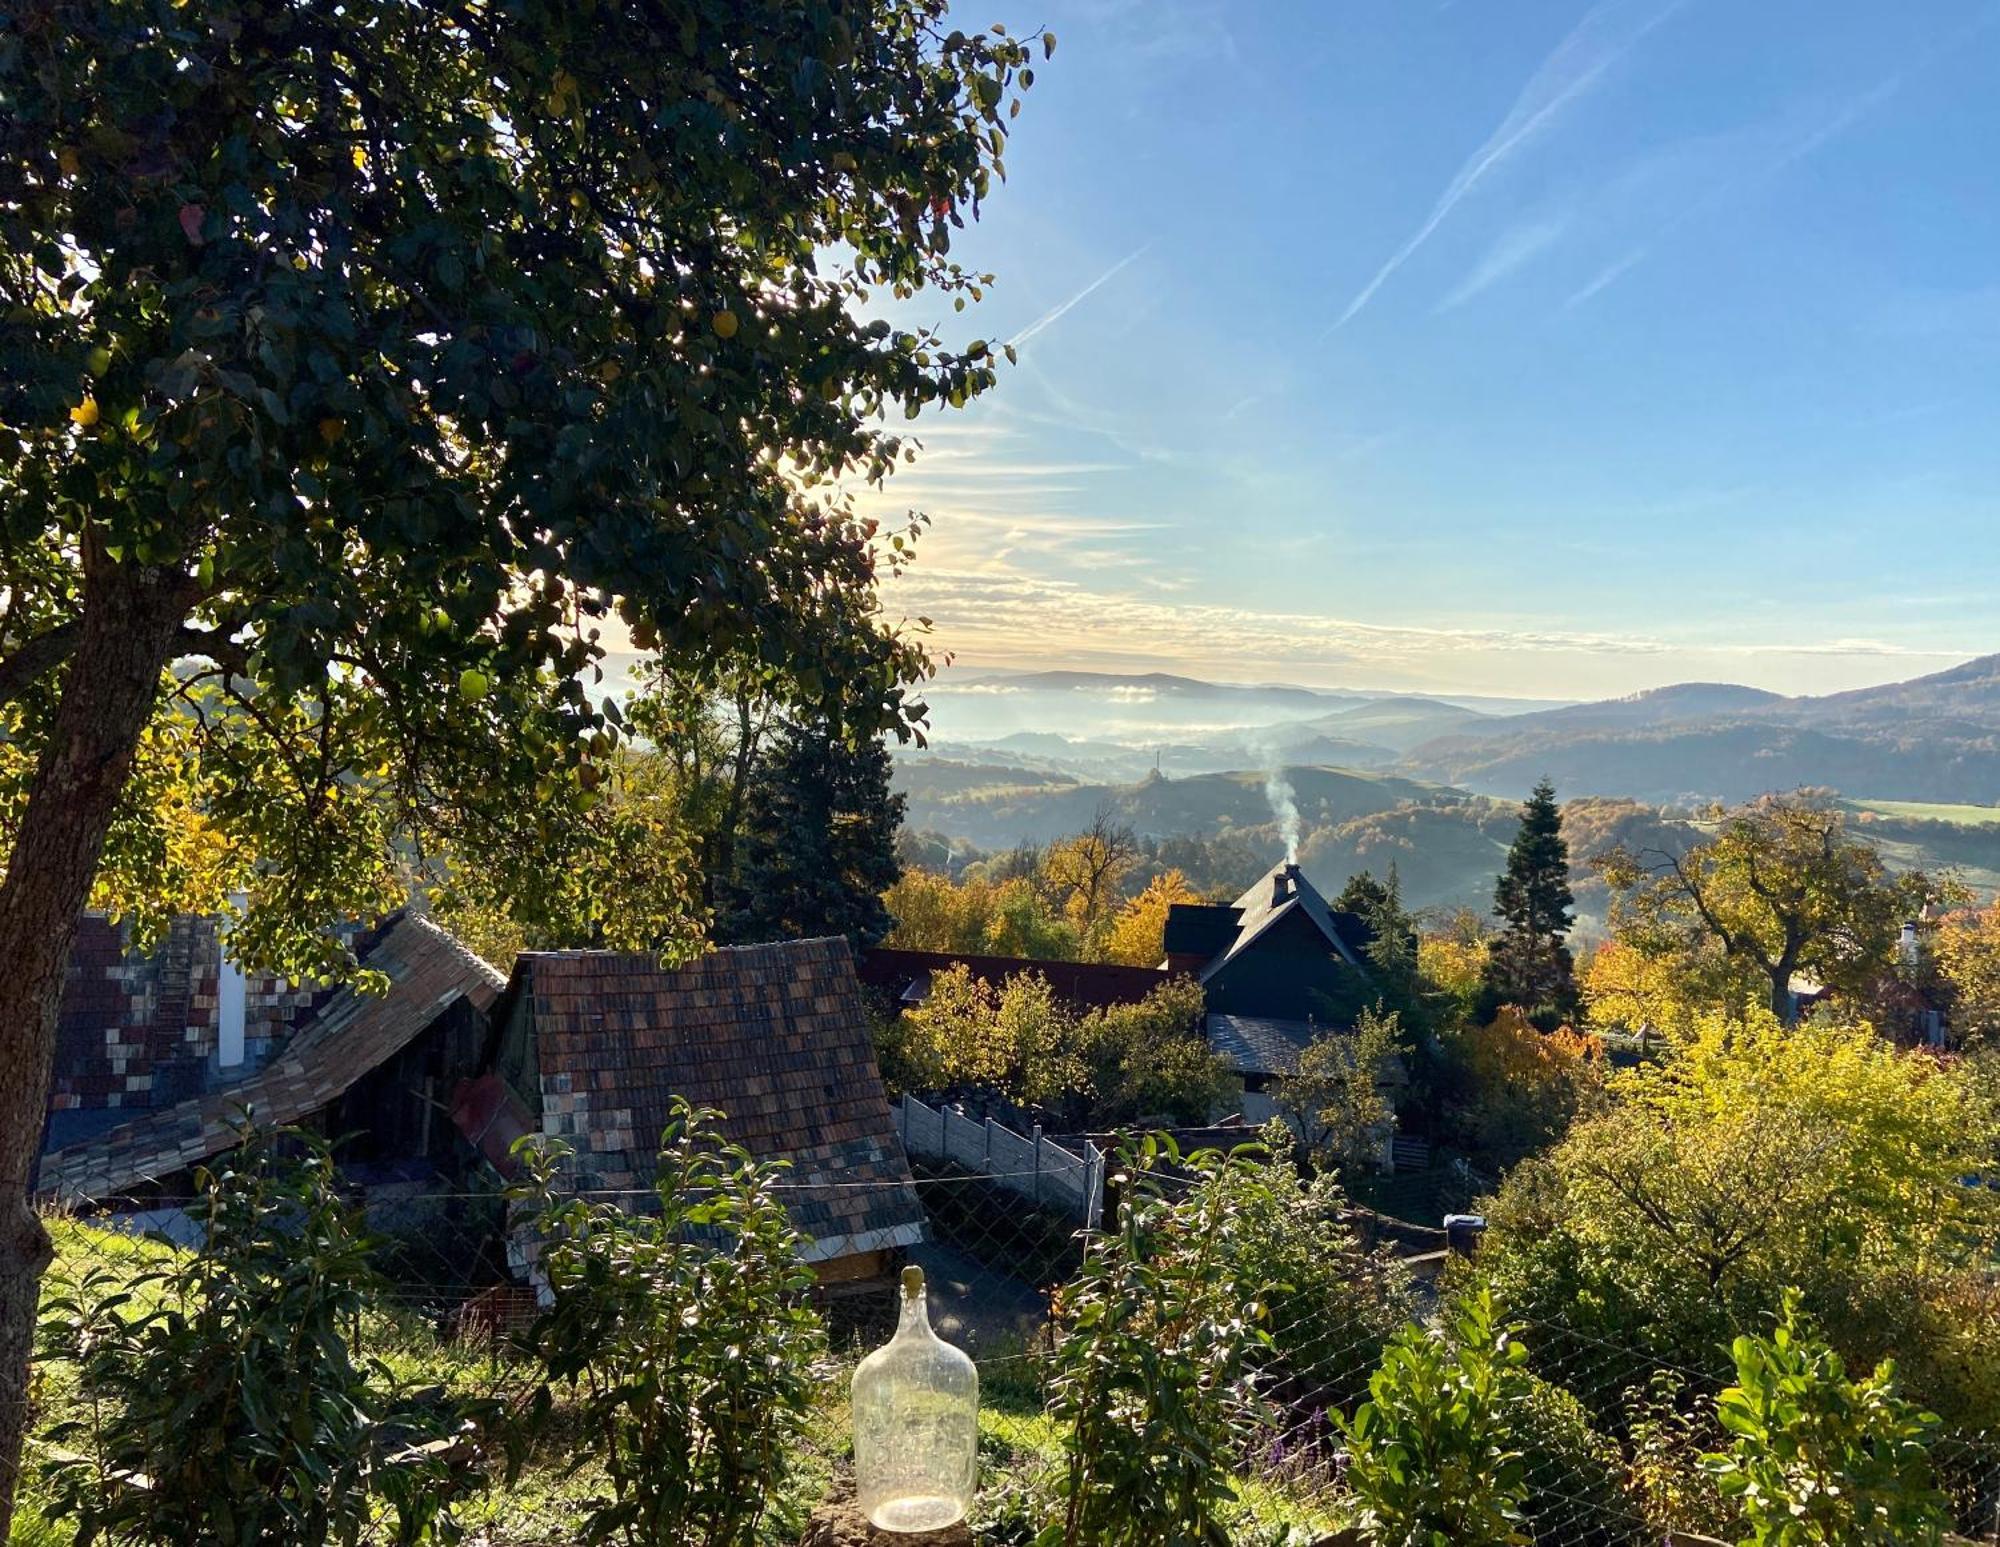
{"x": 1200, "y": 928}
{"x": 905, "y": 975}
{"x": 352, "y": 1034}
{"x": 1260, "y": 910}
{"x": 774, "y": 1036}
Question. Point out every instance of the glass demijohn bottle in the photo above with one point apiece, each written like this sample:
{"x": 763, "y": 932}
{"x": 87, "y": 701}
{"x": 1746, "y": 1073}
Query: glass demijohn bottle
{"x": 916, "y": 1424}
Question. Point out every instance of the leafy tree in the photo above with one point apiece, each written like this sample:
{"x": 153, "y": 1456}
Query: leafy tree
{"x": 631, "y": 881}
{"x": 369, "y": 361}
{"x": 1083, "y": 873}
{"x": 1529, "y": 963}
{"x": 1150, "y": 1060}
{"x": 1779, "y": 891}
{"x": 220, "y": 1397}
{"x": 1524, "y": 1086}
{"x": 1451, "y": 960}
{"x": 1114, "y": 1065}
{"x": 1967, "y": 950}
{"x": 977, "y": 916}
{"x": 1331, "y": 1307}
{"x": 648, "y": 1335}
{"x": 932, "y": 912}
{"x": 1393, "y": 951}
{"x": 1336, "y": 1098}
{"x": 1138, "y": 934}
{"x": 1625, "y": 989}
{"x": 1817, "y": 1457}
{"x": 1758, "y": 1157}
{"x": 818, "y": 847}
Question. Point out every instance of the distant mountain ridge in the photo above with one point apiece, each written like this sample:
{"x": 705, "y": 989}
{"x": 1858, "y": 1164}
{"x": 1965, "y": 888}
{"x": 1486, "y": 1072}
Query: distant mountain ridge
{"x": 1932, "y": 738}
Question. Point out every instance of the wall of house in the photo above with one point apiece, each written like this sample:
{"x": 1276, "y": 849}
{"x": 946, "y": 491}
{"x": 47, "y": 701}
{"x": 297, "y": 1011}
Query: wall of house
{"x": 1289, "y": 972}
{"x": 139, "y": 1030}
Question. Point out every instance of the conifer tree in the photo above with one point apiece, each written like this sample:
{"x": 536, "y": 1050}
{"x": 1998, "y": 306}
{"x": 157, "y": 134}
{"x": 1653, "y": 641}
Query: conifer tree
{"x": 818, "y": 846}
{"x": 1529, "y": 964}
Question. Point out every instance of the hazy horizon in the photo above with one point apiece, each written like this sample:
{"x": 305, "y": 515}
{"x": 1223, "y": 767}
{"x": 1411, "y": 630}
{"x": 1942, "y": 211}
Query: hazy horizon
{"x": 1555, "y": 350}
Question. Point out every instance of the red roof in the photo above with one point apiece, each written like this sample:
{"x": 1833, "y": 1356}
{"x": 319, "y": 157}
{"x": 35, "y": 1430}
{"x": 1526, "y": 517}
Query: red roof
{"x": 1086, "y": 985}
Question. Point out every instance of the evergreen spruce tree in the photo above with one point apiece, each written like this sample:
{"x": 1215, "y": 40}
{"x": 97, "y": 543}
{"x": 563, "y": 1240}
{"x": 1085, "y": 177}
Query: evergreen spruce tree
{"x": 818, "y": 843}
{"x": 1529, "y": 965}
{"x": 1392, "y": 945}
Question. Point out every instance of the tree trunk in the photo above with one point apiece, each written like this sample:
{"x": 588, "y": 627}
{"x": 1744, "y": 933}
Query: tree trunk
{"x": 130, "y": 619}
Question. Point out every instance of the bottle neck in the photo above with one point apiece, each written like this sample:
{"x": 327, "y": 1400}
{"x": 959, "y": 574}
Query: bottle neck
{"x": 915, "y": 1317}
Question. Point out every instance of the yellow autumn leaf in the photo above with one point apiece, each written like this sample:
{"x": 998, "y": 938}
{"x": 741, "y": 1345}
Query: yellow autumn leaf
{"x": 85, "y": 413}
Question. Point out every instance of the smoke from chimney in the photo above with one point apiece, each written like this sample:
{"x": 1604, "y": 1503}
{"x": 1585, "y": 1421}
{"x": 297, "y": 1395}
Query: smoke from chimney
{"x": 1284, "y": 803}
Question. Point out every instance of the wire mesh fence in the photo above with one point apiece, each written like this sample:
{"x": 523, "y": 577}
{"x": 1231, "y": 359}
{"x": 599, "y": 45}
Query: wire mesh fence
{"x": 1610, "y": 1435}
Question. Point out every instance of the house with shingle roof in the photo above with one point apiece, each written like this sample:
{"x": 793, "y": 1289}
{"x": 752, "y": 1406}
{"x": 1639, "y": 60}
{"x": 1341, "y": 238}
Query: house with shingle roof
{"x": 1279, "y": 968}
{"x": 592, "y": 1047}
{"x": 436, "y": 1077}
{"x": 347, "y": 1061}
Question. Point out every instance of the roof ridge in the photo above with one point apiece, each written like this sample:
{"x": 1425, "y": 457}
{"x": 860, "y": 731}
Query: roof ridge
{"x": 451, "y": 941}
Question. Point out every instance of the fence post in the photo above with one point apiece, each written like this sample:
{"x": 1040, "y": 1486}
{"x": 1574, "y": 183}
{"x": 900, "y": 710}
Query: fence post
{"x": 1093, "y": 1183}
{"x": 1038, "y": 1162}
{"x": 987, "y": 1163}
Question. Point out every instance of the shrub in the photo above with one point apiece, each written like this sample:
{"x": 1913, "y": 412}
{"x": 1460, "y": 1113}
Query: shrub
{"x": 1431, "y": 1453}
{"x": 1149, "y": 1373}
{"x": 684, "y": 1334}
{"x": 1670, "y": 1433}
{"x": 219, "y": 1395}
{"x": 1576, "y": 1476}
{"x": 1331, "y": 1307}
{"x": 1819, "y": 1458}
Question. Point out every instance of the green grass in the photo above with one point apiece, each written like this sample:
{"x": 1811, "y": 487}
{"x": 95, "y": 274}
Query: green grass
{"x": 1928, "y": 811}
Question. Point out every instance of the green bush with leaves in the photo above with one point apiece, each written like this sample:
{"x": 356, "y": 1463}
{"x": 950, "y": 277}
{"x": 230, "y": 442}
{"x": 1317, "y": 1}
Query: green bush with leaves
{"x": 1331, "y": 1307}
{"x": 220, "y": 1397}
{"x": 684, "y": 1336}
{"x": 1577, "y": 1489}
{"x": 1149, "y": 1376}
{"x": 1431, "y": 1454}
{"x": 1817, "y": 1457}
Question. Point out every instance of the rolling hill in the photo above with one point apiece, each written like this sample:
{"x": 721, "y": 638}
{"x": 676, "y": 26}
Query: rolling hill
{"x": 1935, "y": 738}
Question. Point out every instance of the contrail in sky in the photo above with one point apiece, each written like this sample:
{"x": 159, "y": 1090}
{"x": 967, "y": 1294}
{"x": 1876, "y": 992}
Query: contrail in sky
{"x": 1578, "y": 64}
{"x": 1057, "y": 312}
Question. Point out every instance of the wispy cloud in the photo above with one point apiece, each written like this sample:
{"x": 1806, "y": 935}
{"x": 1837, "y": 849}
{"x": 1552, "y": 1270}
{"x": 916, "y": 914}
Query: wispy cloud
{"x": 1781, "y": 150}
{"x": 1062, "y": 309}
{"x": 1001, "y": 616}
{"x": 1579, "y": 64}
{"x": 1516, "y": 246}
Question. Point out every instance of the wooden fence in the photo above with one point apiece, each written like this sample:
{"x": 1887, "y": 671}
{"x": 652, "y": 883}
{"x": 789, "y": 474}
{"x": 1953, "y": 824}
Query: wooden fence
{"x": 1033, "y": 1166}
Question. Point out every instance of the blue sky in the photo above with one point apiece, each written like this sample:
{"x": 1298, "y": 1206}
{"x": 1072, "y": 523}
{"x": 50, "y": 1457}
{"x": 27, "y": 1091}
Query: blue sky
{"x": 1510, "y": 347}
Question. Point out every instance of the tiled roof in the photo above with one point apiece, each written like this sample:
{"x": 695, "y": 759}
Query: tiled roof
{"x": 774, "y": 1036}
{"x": 1258, "y": 1044}
{"x": 1087, "y": 985}
{"x": 352, "y": 1034}
{"x": 1255, "y": 1044}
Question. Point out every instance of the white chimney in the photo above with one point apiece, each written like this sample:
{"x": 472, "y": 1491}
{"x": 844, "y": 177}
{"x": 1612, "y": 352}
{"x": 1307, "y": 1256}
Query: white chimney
{"x": 1907, "y": 945}
{"x": 229, "y": 989}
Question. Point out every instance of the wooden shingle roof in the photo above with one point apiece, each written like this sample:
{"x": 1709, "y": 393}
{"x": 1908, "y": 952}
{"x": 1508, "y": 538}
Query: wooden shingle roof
{"x": 774, "y": 1036}
{"x": 353, "y": 1033}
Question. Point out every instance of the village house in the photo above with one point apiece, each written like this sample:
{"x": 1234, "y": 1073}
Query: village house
{"x": 1279, "y": 967}
{"x": 427, "y": 1084}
